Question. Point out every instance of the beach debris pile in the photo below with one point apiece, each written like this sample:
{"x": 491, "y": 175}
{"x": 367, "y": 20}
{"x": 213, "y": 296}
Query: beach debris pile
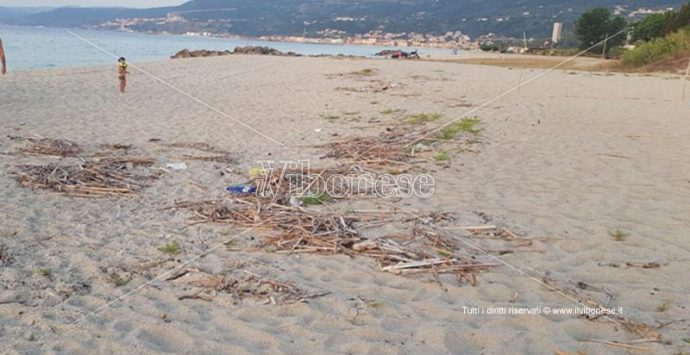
{"x": 366, "y": 75}
{"x": 374, "y": 86}
{"x": 99, "y": 177}
{"x": 377, "y": 151}
{"x": 300, "y": 186}
{"x": 107, "y": 170}
{"x": 240, "y": 286}
{"x": 647, "y": 333}
{"x": 402, "y": 147}
{"x": 62, "y": 148}
{"x": 252, "y": 212}
{"x": 48, "y": 147}
{"x": 211, "y": 153}
{"x": 356, "y": 74}
{"x": 294, "y": 230}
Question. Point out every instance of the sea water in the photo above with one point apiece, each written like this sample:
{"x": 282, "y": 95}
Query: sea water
{"x": 41, "y": 47}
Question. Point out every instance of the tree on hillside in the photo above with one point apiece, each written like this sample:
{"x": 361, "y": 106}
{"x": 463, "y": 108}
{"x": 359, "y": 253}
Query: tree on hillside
{"x": 678, "y": 19}
{"x": 652, "y": 26}
{"x": 594, "y": 25}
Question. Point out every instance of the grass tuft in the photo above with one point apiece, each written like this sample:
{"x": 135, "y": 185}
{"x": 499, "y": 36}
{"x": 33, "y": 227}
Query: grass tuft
{"x": 118, "y": 280}
{"x": 330, "y": 117}
{"x": 467, "y": 125}
{"x": 231, "y": 244}
{"x": 390, "y": 111}
{"x": 442, "y": 156}
{"x": 45, "y": 272}
{"x": 365, "y": 72}
{"x": 422, "y": 118}
{"x": 375, "y": 304}
{"x": 171, "y": 248}
{"x": 664, "y": 306}
{"x": 314, "y": 200}
{"x": 619, "y": 235}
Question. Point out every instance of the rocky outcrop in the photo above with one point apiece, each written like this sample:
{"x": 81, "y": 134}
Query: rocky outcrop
{"x": 186, "y": 53}
{"x": 255, "y": 50}
{"x": 252, "y": 50}
{"x": 258, "y": 50}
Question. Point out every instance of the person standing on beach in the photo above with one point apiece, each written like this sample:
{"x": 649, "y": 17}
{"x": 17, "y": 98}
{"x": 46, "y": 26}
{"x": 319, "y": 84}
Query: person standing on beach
{"x": 3, "y": 70}
{"x": 122, "y": 73}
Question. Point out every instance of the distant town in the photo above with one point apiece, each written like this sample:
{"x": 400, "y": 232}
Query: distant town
{"x": 450, "y": 40}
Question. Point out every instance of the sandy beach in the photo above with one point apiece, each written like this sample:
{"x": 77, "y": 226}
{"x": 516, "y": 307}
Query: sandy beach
{"x": 563, "y": 162}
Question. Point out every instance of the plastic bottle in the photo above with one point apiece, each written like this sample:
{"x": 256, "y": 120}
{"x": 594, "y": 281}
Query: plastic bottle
{"x": 241, "y": 189}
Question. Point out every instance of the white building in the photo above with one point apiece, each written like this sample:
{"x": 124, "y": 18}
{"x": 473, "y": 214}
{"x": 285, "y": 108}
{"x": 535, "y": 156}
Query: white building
{"x": 557, "y": 32}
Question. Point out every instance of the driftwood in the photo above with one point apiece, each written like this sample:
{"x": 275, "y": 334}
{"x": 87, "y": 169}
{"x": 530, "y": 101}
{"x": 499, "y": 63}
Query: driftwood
{"x": 48, "y": 147}
{"x": 384, "y": 150}
{"x": 293, "y": 230}
{"x": 200, "y": 146}
{"x": 217, "y": 155}
{"x": 640, "y": 329}
{"x": 226, "y": 159}
{"x": 279, "y": 184}
{"x": 96, "y": 178}
{"x": 240, "y": 286}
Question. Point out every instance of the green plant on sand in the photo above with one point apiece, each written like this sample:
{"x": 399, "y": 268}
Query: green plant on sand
{"x": 466, "y": 125}
{"x": 619, "y": 235}
{"x": 314, "y": 199}
{"x": 118, "y": 280}
{"x": 442, "y": 156}
{"x": 390, "y": 111}
{"x": 46, "y": 272}
{"x": 422, "y": 118}
{"x": 171, "y": 248}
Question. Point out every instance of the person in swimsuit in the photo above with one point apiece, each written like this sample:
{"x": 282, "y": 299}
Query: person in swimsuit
{"x": 122, "y": 73}
{"x": 3, "y": 70}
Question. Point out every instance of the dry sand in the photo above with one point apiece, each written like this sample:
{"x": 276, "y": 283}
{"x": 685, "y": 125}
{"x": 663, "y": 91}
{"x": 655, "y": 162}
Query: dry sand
{"x": 570, "y": 157}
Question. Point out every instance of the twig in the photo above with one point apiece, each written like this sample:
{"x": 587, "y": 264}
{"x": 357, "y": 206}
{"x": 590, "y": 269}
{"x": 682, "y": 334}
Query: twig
{"x": 617, "y": 344}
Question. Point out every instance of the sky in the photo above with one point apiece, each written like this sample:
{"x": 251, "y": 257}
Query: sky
{"x": 125, "y": 3}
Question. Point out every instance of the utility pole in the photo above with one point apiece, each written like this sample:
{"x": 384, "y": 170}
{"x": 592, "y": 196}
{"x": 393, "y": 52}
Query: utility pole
{"x": 603, "y": 53}
{"x": 524, "y": 39}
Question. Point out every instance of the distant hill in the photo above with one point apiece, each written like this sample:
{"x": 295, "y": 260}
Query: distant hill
{"x": 84, "y": 16}
{"x": 8, "y": 14}
{"x": 288, "y": 17}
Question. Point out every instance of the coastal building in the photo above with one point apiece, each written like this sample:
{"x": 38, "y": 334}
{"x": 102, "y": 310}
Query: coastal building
{"x": 557, "y": 33}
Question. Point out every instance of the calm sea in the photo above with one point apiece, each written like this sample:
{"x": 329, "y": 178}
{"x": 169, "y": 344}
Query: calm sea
{"x": 39, "y": 47}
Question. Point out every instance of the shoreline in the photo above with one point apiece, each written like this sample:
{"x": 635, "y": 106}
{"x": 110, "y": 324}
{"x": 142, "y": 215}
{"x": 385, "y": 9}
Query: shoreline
{"x": 301, "y": 48}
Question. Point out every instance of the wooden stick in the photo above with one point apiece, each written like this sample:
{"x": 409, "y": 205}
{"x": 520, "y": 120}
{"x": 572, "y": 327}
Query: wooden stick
{"x": 455, "y": 268}
{"x": 414, "y": 264}
{"x": 685, "y": 82}
{"x": 477, "y": 228}
{"x": 617, "y": 344}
